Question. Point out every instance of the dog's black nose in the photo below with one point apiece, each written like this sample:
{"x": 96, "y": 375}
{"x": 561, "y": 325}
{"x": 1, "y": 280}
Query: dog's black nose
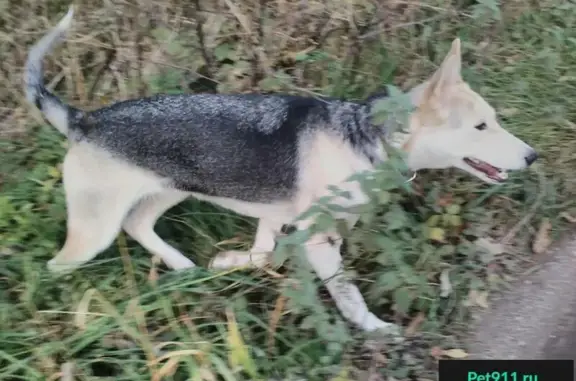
{"x": 531, "y": 158}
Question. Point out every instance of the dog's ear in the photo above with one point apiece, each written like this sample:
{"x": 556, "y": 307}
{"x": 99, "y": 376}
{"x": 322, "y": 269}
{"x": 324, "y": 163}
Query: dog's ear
{"x": 449, "y": 72}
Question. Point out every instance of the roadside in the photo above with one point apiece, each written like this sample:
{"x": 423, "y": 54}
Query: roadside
{"x": 536, "y": 319}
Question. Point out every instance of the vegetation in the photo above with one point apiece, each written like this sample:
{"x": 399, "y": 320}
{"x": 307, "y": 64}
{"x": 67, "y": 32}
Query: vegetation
{"x": 425, "y": 255}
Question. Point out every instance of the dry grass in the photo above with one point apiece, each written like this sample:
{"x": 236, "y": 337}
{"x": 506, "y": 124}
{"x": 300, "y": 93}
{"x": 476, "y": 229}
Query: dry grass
{"x": 118, "y": 48}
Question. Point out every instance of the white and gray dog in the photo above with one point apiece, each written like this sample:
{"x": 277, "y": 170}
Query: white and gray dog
{"x": 263, "y": 156}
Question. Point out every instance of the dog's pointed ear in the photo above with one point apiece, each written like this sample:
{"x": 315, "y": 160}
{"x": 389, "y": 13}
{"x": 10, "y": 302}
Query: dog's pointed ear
{"x": 449, "y": 73}
{"x": 419, "y": 93}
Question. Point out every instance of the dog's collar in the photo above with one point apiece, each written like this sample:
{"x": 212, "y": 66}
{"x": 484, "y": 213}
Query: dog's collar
{"x": 414, "y": 175}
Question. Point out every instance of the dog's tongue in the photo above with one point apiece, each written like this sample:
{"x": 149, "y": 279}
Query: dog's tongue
{"x": 488, "y": 169}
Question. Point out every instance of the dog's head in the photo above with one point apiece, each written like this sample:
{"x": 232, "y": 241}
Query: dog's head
{"x": 453, "y": 126}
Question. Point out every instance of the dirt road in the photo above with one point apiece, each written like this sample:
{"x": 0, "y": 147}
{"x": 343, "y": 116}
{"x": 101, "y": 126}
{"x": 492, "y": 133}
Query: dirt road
{"x": 537, "y": 318}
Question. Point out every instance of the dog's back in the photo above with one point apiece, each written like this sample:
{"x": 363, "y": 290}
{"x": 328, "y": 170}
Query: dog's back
{"x": 239, "y": 146}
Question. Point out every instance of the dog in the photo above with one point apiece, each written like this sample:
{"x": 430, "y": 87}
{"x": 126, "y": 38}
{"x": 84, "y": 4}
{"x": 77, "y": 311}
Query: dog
{"x": 265, "y": 156}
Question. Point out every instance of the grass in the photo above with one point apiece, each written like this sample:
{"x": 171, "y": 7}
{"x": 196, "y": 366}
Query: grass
{"x": 124, "y": 317}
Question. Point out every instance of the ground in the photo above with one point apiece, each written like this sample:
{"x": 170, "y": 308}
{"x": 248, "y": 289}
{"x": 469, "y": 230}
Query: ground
{"x": 426, "y": 257}
{"x": 536, "y": 318}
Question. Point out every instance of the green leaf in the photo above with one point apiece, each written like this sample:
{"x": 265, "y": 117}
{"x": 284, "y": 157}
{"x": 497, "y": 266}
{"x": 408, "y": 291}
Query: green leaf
{"x": 401, "y": 373}
{"x": 301, "y": 56}
{"x": 488, "y": 9}
{"x": 446, "y": 250}
{"x": 342, "y": 228}
{"x": 296, "y": 238}
{"x": 384, "y": 197}
{"x": 224, "y": 51}
{"x": 433, "y": 220}
{"x": 437, "y": 234}
{"x": 388, "y": 245}
{"x": 364, "y": 209}
{"x": 455, "y": 220}
{"x": 337, "y": 208}
{"x": 270, "y": 84}
{"x": 389, "y": 281}
{"x": 396, "y": 218}
{"x": 307, "y": 322}
{"x": 280, "y": 254}
{"x": 315, "y": 209}
{"x": 453, "y": 209}
{"x": 366, "y": 218}
{"x": 403, "y": 300}
{"x": 324, "y": 222}
{"x": 392, "y": 110}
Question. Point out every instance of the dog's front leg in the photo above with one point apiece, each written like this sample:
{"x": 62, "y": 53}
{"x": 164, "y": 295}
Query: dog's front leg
{"x": 258, "y": 255}
{"x": 323, "y": 254}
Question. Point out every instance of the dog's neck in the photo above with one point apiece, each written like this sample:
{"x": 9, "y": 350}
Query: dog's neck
{"x": 397, "y": 136}
{"x": 353, "y": 122}
{"x": 356, "y": 122}
{"x": 390, "y": 131}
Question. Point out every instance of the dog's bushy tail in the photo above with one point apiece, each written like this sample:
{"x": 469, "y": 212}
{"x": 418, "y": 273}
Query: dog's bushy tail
{"x": 54, "y": 110}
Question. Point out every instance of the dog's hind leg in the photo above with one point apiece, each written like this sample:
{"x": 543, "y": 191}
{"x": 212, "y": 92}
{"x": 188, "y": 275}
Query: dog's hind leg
{"x": 139, "y": 224}
{"x": 99, "y": 191}
{"x": 258, "y": 254}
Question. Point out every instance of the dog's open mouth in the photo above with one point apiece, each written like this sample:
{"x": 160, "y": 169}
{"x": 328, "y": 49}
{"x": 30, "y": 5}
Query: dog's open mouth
{"x": 492, "y": 172}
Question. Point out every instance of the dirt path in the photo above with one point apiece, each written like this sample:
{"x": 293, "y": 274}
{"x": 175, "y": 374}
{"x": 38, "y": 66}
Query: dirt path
{"x": 537, "y": 318}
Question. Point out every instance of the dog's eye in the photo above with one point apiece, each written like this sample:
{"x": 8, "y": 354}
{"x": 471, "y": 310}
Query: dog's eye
{"x": 480, "y": 127}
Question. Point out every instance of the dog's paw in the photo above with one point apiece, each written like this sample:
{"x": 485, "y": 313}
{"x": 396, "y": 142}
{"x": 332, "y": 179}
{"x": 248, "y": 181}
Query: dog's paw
{"x": 180, "y": 264}
{"x": 58, "y": 268}
{"x": 373, "y": 324}
{"x": 226, "y": 260}
{"x": 233, "y": 259}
